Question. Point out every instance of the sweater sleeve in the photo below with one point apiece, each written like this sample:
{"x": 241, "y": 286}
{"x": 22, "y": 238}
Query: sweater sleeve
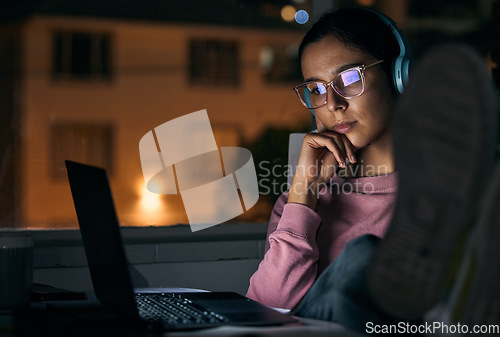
{"x": 289, "y": 267}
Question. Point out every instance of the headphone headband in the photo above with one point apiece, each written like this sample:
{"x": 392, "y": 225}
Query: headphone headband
{"x": 401, "y": 66}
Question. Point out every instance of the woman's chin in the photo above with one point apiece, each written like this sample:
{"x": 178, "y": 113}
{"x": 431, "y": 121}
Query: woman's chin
{"x": 356, "y": 142}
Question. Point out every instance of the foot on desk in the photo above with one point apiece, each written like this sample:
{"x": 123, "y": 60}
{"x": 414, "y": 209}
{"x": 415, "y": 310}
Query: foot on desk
{"x": 444, "y": 143}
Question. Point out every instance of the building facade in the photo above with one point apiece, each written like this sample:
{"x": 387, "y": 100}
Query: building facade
{"x": 88, "y": 89}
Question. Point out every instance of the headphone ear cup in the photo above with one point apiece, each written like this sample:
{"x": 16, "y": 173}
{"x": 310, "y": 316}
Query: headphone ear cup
{"x": 405, "y": 70}
{"x": 401, "y": 66}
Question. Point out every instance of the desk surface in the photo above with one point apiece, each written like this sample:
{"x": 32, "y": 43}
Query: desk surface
{"x": 308, "y": 327}
{"x": 305, "y": 327}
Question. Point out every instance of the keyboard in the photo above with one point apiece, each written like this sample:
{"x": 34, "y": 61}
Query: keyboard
{"x": 174, "y": 309}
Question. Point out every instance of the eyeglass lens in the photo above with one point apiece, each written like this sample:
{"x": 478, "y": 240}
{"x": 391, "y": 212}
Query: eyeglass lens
{"x": 348, "y": 84}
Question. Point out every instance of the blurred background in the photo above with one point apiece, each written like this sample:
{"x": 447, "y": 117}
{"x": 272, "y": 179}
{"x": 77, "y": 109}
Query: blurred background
{"x": 86, "y": 79}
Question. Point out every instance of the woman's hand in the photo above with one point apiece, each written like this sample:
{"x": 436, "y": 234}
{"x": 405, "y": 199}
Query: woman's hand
{"x": 321, "y": 155}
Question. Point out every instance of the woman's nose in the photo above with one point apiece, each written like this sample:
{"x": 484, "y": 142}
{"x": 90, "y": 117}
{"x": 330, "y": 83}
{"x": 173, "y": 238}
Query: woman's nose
{"x": 334, "y": 101}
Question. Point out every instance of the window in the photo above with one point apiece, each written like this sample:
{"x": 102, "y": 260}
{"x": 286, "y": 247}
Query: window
{"x": 81, "y": 55}
{"x": 87, "y": 143}
{"x": 89, "y": 88}
{"x": 280, "y": 64}
{"x": 214, "y": 62}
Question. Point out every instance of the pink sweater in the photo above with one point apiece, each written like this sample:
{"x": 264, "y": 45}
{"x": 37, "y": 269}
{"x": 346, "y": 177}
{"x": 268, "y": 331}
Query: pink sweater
{"x": 302, "y": 242}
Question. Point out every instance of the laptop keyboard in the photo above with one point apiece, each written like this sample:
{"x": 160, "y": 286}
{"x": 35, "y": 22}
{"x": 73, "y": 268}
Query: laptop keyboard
{"x": 173, "y": 309}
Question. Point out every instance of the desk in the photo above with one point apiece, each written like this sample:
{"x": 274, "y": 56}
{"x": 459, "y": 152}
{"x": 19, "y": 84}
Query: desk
{"x": 37, "y": 321}
{"x": 307, "y": 327}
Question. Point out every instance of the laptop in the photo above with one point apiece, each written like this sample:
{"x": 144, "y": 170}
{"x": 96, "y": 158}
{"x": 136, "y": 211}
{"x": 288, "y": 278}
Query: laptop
{"x": 111, "y": 277}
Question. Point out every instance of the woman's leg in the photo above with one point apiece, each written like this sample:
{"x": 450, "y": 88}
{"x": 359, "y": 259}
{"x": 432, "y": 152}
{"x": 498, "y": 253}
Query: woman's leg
{"x": 340, "y": 293}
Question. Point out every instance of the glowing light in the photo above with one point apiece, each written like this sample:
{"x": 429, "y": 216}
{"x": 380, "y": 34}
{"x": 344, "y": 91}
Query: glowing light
{"x": 301, "y": 16}
{"x": 149, "y": 201}
{"x": 152, "y": 209}
{"x": 288, "y": 13}
{"x": 366, "y": 3}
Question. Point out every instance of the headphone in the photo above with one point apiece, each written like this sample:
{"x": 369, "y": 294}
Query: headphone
{"x": 401, "y": 66}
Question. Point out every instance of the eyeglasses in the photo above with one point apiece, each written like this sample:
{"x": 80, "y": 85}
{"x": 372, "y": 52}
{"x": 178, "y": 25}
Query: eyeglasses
{"x": 348, "y": 84}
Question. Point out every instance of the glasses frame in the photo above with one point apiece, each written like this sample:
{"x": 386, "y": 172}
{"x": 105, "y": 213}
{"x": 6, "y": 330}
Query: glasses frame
{"x": 360, "y": 68}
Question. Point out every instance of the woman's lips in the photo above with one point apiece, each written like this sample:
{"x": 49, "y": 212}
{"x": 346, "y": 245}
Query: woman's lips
{"x": 344, "y": 127}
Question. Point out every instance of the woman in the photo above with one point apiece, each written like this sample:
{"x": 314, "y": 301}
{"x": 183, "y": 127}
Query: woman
{"x": 345, "y": 185}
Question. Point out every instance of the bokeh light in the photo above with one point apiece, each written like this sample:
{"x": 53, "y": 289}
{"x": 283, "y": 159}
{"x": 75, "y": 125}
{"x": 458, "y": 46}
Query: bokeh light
{"x": 288, "y": 13}
{"x": 301, "y": 16}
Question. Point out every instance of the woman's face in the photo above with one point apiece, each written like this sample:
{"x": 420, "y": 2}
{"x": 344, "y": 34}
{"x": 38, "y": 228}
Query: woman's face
{"x": 363, "y": 119}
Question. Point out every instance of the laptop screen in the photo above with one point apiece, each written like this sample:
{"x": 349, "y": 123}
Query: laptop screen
{"x": 101, "y": 237}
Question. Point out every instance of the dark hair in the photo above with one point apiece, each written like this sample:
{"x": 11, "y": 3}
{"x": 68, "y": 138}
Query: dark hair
{"x": 360, "y": 28}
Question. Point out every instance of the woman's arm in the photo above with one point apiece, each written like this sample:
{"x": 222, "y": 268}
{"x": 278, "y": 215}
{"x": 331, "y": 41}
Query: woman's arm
{"x": 289, "y": 267}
